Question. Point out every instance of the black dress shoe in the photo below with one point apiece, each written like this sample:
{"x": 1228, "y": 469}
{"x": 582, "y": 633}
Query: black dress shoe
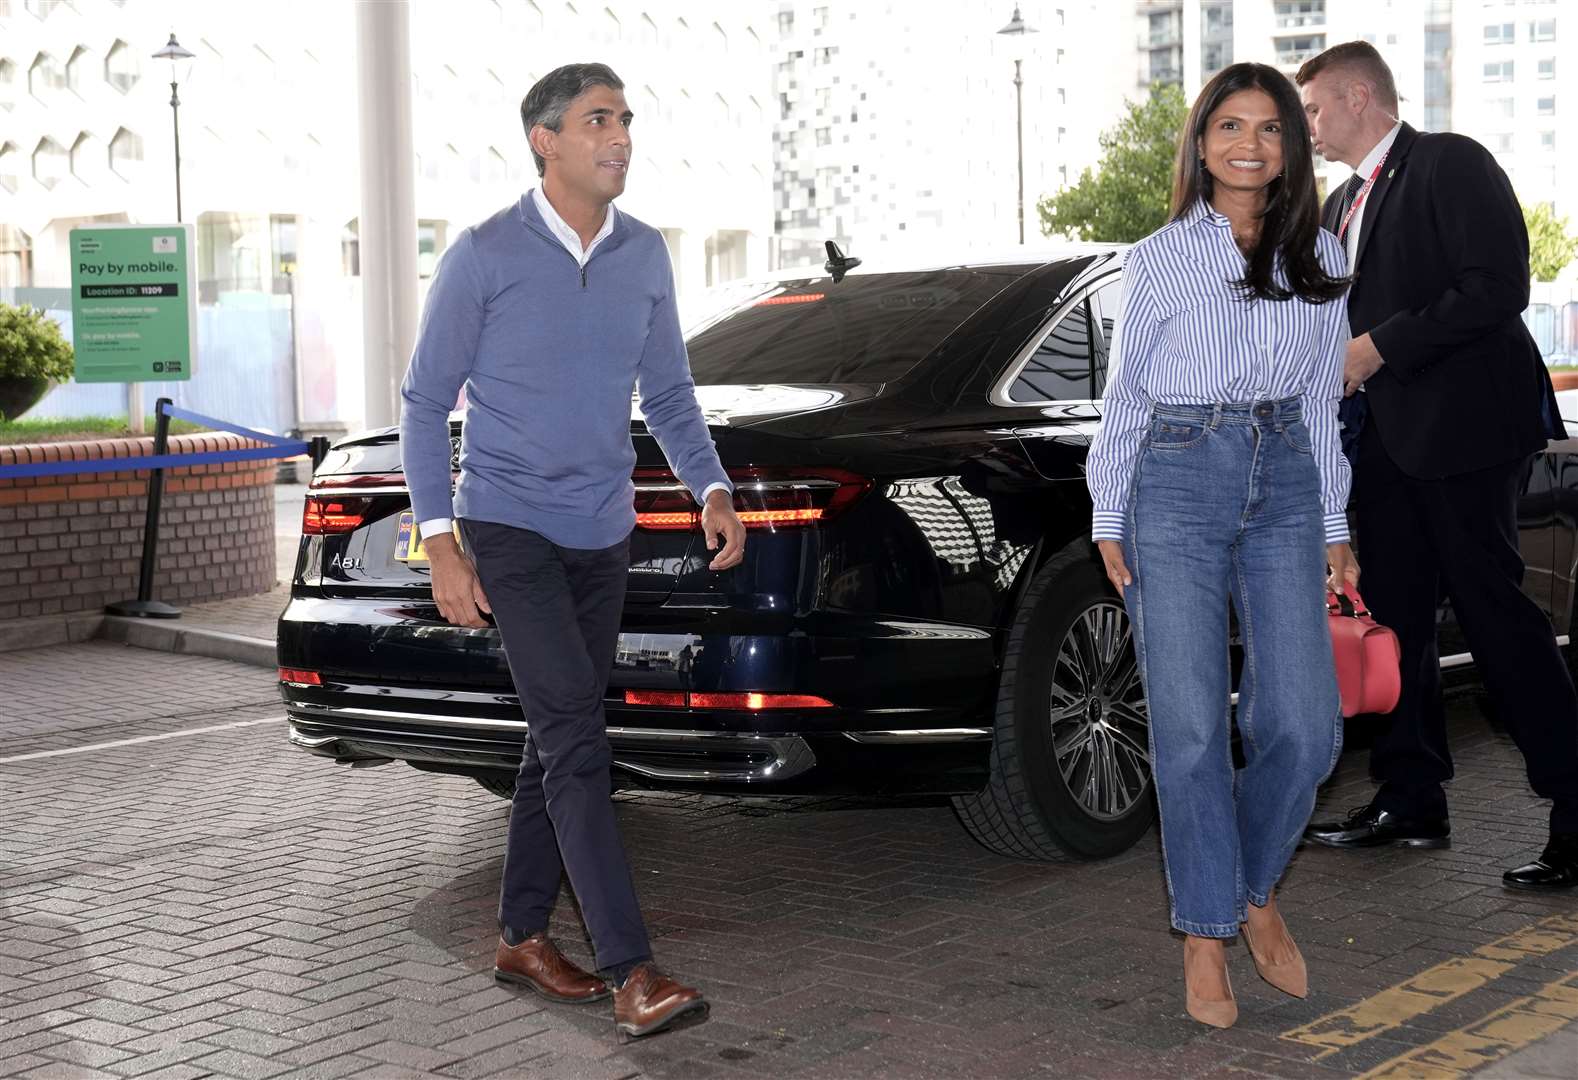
{"x": 1367, "y": 827}
{"x": 1556, "y": 868}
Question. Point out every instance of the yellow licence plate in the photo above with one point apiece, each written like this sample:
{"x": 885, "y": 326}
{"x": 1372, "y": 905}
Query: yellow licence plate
{"x": 408, "y": 540}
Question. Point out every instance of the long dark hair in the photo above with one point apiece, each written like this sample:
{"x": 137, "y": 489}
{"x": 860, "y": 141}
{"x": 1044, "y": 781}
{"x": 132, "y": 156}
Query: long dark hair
{"x": 1291, "y": 219}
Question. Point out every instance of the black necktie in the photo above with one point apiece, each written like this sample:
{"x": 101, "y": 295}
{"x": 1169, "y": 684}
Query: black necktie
{"x": 1350, "y": 191}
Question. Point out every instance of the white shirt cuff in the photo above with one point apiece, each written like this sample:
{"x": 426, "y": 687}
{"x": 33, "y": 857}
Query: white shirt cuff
{"x": 714, "y": 487}
{"x": 433, "y": 526}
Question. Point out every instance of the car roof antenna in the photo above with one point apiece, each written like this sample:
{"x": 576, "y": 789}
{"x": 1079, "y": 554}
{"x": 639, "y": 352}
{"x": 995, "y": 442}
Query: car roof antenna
{"x": 838, "y": 264}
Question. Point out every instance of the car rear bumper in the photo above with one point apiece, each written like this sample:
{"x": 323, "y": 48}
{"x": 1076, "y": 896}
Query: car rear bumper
{"x": 475, "y": 733}
{"x": 910, "y": 712}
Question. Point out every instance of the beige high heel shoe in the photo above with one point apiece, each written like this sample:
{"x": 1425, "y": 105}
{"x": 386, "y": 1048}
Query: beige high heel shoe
{"x": 1290, "y": 976}
{"x": 1216, "y": 1013}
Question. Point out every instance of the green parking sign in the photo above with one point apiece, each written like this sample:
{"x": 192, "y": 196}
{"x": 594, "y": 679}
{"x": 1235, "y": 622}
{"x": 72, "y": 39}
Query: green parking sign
{"x": 133, "y": 303}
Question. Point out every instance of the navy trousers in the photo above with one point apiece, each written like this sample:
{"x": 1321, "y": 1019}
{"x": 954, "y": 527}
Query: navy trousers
{"x": 558, "y": 611}
{"x": 1460, "y": 534}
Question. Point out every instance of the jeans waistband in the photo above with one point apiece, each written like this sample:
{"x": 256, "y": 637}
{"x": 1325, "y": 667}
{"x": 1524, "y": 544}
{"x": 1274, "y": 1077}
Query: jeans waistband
{"x": 1276, "y": 414}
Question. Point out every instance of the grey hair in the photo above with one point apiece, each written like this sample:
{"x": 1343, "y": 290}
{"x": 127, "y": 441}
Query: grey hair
{"x": 546, "y": 102}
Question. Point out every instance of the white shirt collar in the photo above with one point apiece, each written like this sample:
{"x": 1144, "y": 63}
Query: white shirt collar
{"x": 568, "y": 236}
{"x": 1373, "y": 158}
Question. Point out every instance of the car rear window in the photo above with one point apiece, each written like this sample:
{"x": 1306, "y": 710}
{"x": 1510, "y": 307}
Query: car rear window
{"x": 869, "y": 328}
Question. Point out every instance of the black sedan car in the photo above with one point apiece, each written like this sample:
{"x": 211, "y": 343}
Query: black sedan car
{"x": 920, "y": 610}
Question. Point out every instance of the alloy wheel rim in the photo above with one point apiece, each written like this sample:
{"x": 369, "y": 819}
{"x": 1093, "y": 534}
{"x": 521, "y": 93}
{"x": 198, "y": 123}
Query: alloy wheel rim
{"x": 1099, "y": 717}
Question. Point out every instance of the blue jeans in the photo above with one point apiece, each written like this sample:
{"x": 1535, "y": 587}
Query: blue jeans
{"x": 1226, "y": 502}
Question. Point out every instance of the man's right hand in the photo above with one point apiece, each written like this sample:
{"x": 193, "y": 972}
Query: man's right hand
{"x": 455, "y": 585}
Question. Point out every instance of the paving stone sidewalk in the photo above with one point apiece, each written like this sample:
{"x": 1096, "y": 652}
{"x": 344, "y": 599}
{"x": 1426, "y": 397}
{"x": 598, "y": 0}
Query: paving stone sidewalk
{"x": 224, "y": 905}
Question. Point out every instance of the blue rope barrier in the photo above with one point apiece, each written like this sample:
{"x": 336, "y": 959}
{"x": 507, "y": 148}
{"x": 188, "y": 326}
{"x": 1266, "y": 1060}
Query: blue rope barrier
{"x": 276, "y": 447}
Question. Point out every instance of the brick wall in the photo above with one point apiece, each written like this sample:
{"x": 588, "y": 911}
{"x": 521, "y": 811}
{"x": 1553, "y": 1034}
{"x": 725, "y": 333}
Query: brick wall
{"x": 74, "y": 542}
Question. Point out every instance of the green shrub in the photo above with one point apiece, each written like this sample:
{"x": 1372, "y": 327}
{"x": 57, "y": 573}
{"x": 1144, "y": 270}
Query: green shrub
{"x": 32, "y": 346}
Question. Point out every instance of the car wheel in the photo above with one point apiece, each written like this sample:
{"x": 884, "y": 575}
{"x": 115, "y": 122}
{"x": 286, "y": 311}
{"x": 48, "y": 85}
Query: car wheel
{"x": 1070, "y": 767}
{"x": 500, "y": 784}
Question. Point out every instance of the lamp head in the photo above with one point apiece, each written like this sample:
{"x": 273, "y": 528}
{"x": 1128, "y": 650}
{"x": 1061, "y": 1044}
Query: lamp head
{"x": 1017, "y": 27}
{"x": 180, "y": 59}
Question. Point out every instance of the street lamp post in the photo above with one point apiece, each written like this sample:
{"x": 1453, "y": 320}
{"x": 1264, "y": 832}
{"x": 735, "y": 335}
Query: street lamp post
{"x": 1016, "y": 28}
{"x": 179, "y": 60}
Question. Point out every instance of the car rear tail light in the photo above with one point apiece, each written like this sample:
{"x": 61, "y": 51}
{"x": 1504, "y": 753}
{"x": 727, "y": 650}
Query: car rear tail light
{"x": 763, "y": 498}
{"x": 752, "y": 701}
{"x": 297, "y": 675}
{"x": 325, "y": 515}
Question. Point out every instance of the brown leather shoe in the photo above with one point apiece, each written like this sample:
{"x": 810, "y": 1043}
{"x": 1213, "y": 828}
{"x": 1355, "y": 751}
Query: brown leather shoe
{"x": 651, "y": 1002}
{"x": 538, "y": 964}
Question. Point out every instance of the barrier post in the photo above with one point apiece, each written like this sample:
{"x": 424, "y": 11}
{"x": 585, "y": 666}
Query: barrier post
{"x": 319, "y": 449}
{"x": 145, "y": 607}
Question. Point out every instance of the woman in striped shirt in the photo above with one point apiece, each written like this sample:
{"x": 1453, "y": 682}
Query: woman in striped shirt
{"x": 1218, "y": 473}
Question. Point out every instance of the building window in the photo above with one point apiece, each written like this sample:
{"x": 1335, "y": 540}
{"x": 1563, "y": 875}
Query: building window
{"x": 431, "y": 239}
{"x": 1547, "y": 140}
{"x": 1499, "y": 142}
{"x": 1547, "y": 68}
{"x": 45, "y": 76}
{"x": 283, "y": 249}
{"x": 77, "y": 70}
{"x": 1503, "y": 108}
{"x": 1292, "y": 14}
{"x": 232, "y": 254}
{"x": 495, "y": 170}
{"x": 16, "y": 247}
{"x": 7, "y": 84}
{"x": 351, "y": 249}
{"x": 824, "y": 136}
{"x": 1498, "y": 71}
{"x": 87, "y": 158}
{"x": 1499, "y": 34}
{"x": 1546, "y": 106}
{"x": 42, "y": 8}
{"x": 1542, "y": 30}
{"x": 1296, "y": 50}
{"x": 125, "y": 153}
{"x": 10, "y": 167}
{"x": 50, "y": 163}
{"x": 121, "y": 69}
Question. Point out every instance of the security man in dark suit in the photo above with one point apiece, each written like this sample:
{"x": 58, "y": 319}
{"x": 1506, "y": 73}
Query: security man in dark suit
{"x": 1453, "y": 401}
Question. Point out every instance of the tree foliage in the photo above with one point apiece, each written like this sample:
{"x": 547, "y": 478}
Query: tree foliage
{"x": 1129, "y": 193}
{"x": 1551, "y": 247}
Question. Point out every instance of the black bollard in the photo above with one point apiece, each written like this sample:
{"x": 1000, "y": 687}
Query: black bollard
{"x": 145, "y": 607}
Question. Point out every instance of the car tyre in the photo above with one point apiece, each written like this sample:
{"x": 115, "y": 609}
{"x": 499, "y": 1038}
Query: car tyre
{"x": 1070, "y": 764}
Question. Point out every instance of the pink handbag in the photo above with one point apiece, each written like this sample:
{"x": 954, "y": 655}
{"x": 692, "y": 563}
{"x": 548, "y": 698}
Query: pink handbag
{"x": 1369, "y": 658}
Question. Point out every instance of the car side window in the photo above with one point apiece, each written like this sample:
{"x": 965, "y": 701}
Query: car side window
{"x": 1060, "y": 368}
{"x": 1104, "y": 314}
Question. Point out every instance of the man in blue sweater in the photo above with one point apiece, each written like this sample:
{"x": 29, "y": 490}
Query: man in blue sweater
{"x": 549, "y": 314}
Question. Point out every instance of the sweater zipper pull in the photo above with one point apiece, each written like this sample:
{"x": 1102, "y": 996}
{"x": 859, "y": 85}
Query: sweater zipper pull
{"x": 583, "y": 275}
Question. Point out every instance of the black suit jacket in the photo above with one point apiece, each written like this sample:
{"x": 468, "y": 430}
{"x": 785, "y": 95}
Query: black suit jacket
{"x": 1441, "y": 279}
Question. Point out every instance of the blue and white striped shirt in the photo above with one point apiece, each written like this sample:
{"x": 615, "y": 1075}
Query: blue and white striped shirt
{"x": 1185, "y": 335}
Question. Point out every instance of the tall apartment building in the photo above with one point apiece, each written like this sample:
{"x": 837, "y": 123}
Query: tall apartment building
{"x": 270, "y": 151}
{"x": 1515, "y": 88}
{"x": 1486, "y": 68}
{"x": 895, "y": 127}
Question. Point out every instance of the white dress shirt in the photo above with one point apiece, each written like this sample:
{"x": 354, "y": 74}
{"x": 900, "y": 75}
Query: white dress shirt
{"x": 1366, "y": 167}
{"x": 572, "y": 243}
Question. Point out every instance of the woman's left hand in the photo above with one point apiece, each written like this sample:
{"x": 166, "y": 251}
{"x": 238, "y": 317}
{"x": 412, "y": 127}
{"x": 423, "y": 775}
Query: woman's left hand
{"x": 1343, "y": 566}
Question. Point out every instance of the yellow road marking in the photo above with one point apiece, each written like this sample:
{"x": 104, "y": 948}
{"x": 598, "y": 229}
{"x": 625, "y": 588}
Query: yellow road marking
{"x": 1488, "y": 1040}
{"x": 1447, "y": 981}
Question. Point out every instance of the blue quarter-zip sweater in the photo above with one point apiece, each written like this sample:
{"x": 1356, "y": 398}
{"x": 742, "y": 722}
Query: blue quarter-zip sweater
{"x": 549, "y": 353}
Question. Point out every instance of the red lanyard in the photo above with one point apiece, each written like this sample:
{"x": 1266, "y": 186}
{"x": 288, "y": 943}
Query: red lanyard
{"x": 1358, "y": 200}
